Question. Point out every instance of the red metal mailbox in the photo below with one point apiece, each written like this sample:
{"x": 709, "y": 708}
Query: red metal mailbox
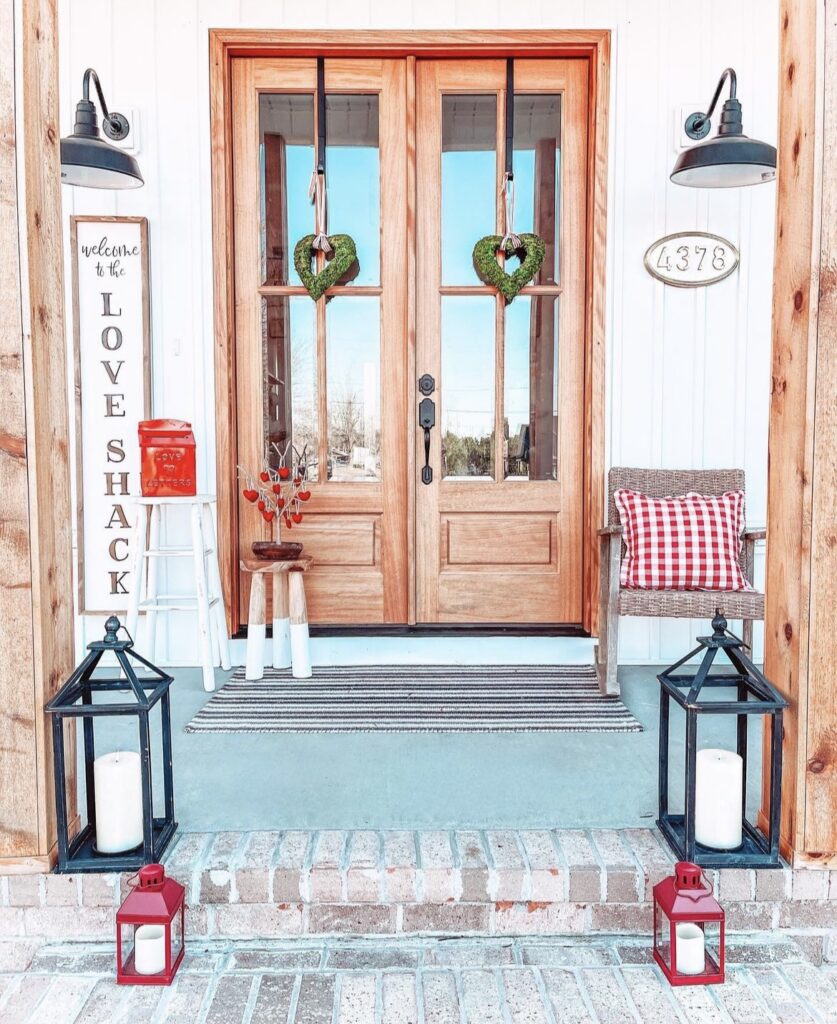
{"x": 167, "y": 448}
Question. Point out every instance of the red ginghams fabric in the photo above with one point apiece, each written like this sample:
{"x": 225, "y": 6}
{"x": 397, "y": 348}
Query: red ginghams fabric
{"x": 690, "y": 542}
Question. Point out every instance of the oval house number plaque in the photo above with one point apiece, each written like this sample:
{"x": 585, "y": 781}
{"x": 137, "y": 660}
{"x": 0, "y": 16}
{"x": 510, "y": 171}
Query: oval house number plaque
{"x": 690, "y": 259}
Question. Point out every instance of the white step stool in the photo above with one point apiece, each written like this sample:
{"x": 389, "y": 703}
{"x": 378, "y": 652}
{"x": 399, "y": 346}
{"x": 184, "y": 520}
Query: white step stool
{"x": 208, "y": 600}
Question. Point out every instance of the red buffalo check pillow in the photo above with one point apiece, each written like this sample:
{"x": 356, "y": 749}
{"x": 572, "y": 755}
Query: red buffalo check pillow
{"x": 691, "y": 542}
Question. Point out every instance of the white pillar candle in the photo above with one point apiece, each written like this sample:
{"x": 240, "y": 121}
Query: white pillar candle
{"x": 689, "y": 940}
{"x": 117, "y": 780}
{"x": 719, "y": 782}
{"x": 150, "y": 949}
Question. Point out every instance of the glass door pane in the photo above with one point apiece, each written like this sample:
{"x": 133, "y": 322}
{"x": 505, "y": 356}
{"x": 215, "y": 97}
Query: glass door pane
{"x": 289, "y": 333}
{"x": 537, "y": 175}
{"x": 353, "y": 177}
{"x": 531, "y": 388}
{"x": 286, "y": 156}
{"x": 353, "y": 383}
{"x": 469, "y": 181}
{"x": 467, "y": 387}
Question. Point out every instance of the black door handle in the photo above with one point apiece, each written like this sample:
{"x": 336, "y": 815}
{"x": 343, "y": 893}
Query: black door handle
{"x": 427, "y": 420}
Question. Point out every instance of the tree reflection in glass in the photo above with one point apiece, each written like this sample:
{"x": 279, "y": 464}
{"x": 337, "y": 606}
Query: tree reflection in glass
{"x": 289, "y": 354}
{"x": 530, "y": 400}
{"x": 353, "y": 372}
{"x": 286, "y": 125}
{"x": 468, "y": 386}
{"x": 537, "y": 174}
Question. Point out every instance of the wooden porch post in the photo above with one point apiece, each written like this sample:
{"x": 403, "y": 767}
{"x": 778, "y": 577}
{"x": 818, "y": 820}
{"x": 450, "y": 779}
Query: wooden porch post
{"x": 36, "y": 596}
{"x": 801, "y": 587}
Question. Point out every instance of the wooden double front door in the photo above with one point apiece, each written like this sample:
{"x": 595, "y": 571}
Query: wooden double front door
{"x": 467, "y": 508}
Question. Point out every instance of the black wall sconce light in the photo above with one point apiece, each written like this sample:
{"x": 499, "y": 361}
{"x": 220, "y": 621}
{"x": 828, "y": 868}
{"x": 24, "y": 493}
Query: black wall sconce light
{"x": 86, "y": 159}
{"x": 730, "y": 158}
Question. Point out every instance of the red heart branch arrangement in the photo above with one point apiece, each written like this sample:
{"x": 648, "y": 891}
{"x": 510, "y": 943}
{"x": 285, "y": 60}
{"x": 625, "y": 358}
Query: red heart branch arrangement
{"x": 278, "y": 492}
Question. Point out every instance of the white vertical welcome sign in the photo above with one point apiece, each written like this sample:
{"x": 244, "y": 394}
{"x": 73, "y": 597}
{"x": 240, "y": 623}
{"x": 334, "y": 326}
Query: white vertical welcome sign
{"x": 112, "y": 382}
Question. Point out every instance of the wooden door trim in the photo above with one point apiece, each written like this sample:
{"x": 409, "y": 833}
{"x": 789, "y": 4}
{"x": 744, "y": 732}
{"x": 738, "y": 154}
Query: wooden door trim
{"x": 223, "y": 256}
{"x": 594, "y": 370}
{"x": 224, "y": 45}
{"x": 245, "y": 42}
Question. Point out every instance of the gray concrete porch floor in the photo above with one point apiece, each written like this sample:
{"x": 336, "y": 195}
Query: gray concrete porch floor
{"x": 420, "y": 781}
{"x": 458, "y": 981}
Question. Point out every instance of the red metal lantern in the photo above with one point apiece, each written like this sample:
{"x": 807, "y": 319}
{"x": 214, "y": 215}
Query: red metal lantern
{"x": 150, "y": 929}
{"x": 688, "y": 928}
{"x": 167, "y": 449}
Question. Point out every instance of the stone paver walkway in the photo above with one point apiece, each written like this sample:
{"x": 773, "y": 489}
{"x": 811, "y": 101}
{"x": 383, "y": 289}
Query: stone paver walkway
{"x": 454, "y": 981}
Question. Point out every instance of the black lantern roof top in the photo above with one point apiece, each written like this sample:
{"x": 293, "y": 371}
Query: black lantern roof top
{"x": 74, "y": 697}
{"x": 755, "y": 695}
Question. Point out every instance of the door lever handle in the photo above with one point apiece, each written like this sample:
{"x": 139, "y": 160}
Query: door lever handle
{"x": 427, "y": 420}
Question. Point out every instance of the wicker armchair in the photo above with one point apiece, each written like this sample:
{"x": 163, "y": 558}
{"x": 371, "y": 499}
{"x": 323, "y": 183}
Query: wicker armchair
{"x": 680, "y": 604}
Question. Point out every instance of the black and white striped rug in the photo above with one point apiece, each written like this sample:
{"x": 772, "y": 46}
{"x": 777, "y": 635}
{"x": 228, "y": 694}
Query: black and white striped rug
{"x": 417, "y": 698}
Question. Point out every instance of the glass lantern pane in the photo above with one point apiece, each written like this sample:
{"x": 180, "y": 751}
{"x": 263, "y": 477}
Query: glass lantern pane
{"x": 712, "y": 938}
{"x": 176, "y": 936}
{"x": 126, "y": 932}
{"x": 662, "y": 934}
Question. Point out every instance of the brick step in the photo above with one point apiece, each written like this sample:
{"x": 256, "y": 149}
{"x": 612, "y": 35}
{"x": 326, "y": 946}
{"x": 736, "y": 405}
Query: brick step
{"x": 598, "y": 981}
{"x": 253, "y": 885}
{"x": 375, "y": 954}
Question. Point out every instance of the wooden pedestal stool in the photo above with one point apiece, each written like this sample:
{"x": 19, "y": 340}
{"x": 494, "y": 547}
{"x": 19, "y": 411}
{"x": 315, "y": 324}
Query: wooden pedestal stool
{"x": 290, "y": 617}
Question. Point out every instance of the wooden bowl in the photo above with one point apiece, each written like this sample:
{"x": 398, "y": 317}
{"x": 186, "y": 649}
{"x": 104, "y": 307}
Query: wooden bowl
{"x": 271, "y": 551}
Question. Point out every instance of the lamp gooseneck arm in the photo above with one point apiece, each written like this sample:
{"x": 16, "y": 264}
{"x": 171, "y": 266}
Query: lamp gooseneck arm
{"x": 728, "y": 73}
{"x": 88, "y": 74}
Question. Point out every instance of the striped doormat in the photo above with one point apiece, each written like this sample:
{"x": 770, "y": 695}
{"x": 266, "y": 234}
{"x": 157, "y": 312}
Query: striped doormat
{"x": 417, "y": 698}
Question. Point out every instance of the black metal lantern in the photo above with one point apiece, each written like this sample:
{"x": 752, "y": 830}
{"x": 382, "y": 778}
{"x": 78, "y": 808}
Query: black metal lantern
{"x": 714, "y": 830}
{"x": 121, "y": 832}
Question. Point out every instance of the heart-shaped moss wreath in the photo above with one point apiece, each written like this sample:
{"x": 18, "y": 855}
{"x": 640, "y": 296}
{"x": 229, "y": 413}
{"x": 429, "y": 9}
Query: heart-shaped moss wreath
{"x": 531, "y": 252}
{"x": 345, "y": 255}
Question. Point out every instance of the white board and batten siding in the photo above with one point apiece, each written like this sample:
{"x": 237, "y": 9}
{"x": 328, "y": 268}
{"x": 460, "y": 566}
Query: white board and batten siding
{"x": 687, "y": 369}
